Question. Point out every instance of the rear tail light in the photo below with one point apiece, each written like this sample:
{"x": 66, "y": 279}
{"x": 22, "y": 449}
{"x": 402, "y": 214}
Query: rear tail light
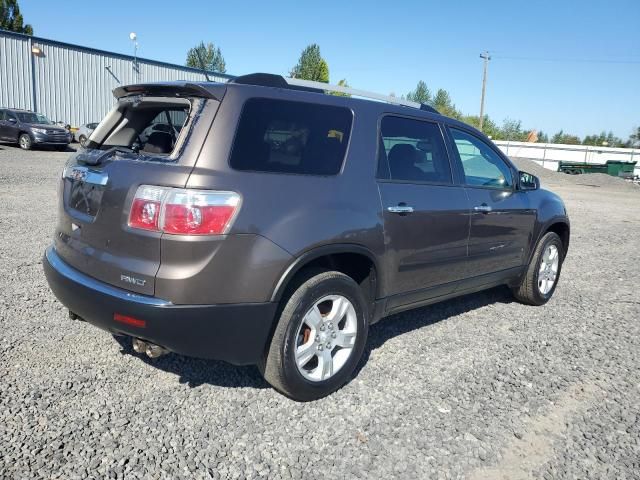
{"x": 136, "y": 322}
{"x": 183, "y": 211}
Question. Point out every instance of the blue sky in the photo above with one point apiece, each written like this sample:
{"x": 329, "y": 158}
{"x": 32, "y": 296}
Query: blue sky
{"x": 556, "y": 64}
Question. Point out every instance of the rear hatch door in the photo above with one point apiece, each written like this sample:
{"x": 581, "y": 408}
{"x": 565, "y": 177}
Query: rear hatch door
{"x": 98, "y": 186}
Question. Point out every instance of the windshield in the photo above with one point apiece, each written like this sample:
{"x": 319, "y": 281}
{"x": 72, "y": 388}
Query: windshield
{"x": 29, "y": 117}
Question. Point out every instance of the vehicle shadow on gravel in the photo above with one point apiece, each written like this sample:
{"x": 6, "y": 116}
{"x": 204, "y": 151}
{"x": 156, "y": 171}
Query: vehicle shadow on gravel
{"x": 195, "y": 372}
{"x": 406, "y": 322}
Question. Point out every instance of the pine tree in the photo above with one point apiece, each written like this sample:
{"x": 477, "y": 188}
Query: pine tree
{"x": 211, "y": 57}
{"x": 311, "y": 65}
{"x": 11, "y": 19}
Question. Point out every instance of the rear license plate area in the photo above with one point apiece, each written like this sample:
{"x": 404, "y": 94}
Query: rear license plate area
{"x": 84, "y": 198}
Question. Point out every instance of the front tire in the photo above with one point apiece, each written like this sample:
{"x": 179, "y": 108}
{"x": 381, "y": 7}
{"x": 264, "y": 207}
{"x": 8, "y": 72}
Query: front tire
{"x": 319, "y": 338}
{"x": 83, "y": 141}
{"x": 543, "y": 272}
{"x": 24, "y": 140}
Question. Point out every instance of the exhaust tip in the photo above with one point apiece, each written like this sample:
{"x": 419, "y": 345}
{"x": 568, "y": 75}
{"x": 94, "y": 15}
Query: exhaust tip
{"x": 154, "y": 351}
{"x": 151, "y": 350}
{"x": 139, "y": 346}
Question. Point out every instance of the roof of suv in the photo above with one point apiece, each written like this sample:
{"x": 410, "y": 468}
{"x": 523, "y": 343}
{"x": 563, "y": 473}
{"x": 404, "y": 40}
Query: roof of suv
{"x": 259, "y": 80}
{"x": 217, "y": 90}
{"x": 16, "y": 110}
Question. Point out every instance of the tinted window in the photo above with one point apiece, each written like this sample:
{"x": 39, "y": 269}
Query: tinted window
{"x": 2, "y": 117}
{"x": 481, "y": 164}
{"x": 31, "y": 117}
{"x": 291, "y": 137}
{"x": 414, "y": 151}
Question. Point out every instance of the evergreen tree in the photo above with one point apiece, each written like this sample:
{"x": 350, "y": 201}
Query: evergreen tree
{"x": 311, "y": 65}
{"x": 11, "y": 19}
{"x": 211, "y": 58}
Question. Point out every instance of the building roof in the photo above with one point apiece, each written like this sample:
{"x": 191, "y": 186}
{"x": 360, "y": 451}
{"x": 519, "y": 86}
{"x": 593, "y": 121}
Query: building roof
{"x": 82, "y": 48}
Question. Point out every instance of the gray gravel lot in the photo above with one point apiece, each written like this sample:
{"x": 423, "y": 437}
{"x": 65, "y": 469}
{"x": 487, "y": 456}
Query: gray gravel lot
{"x": 479, "y": 387}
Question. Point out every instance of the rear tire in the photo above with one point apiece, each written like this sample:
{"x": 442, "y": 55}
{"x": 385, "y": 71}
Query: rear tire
{"x": 24, "y": 140}
{"x": 320, "y": 336}
{"x": 83, "y": 141}
{"x": 543, "y": 272}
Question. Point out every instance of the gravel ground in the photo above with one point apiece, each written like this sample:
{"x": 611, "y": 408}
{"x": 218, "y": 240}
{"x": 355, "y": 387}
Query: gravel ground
{"x": 478, "y": 387}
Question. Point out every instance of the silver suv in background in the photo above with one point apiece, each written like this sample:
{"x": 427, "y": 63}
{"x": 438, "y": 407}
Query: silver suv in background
{"x": 84, "y": 132}
{"x": 265, "y": 222}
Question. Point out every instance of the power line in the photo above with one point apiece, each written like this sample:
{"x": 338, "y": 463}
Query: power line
{"x": 568, "y": 60}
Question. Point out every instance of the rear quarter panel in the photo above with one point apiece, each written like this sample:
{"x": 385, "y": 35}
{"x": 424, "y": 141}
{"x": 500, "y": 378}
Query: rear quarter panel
{"x": 298, "y": 213}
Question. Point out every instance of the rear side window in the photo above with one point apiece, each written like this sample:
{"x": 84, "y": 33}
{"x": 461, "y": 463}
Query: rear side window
{"x": 291, "y": 137}
{"x": 413, "y": 151}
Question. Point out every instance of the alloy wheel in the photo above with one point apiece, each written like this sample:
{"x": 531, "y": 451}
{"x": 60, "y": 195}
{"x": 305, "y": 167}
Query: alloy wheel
{"x": 326, "y": 338}
{"x": 548, "y": 272}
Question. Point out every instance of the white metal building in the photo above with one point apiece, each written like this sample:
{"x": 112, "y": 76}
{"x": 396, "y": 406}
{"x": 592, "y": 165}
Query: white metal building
{"x": 71, "y": 83}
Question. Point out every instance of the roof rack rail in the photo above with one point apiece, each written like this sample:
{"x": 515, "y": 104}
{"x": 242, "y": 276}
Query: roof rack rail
{"x": 278, "y": 81}
{"x": 359, "y": 93}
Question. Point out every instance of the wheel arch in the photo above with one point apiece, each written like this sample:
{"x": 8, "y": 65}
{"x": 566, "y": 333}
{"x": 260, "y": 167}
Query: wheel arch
{"x": 354, "y": 260}
{"x": 563, "y": 230}
{"x": 559, "y": 225}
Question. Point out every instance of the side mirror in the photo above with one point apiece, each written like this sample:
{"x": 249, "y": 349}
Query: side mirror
{"x": 526, "y": 181}
{"x": 12, "y": 120}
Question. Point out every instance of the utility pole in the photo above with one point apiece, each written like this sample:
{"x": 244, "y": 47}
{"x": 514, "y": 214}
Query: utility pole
{"x": 136, "y": 69}
{"x": 485, "y": 56}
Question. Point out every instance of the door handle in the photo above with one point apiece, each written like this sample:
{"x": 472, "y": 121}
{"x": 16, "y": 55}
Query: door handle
{"x": 400, "y": 209}
{"x": 484, "y": 208}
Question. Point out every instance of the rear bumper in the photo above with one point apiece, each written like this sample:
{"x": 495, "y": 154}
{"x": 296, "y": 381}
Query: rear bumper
{"x": 235, "y": 333}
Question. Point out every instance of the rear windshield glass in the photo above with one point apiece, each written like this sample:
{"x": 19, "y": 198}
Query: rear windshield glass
{"x": 291, "y": 137}
{"x": 149, "y": 126}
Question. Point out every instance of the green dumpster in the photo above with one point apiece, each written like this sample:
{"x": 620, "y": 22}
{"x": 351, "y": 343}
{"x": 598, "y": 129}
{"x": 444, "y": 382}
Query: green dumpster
{"x": 620, "y": 169}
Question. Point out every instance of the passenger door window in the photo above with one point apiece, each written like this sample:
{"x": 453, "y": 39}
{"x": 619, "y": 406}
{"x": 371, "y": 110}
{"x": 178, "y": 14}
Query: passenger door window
{"x": 413, "y": 151}
{"x": 482, "y": 166}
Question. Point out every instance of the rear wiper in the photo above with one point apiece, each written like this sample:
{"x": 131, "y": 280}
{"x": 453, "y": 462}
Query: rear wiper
{"x": 92, "y": 157}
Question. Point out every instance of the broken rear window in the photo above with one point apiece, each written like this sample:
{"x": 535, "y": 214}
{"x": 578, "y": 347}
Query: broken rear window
{"x": 151, "y": 126}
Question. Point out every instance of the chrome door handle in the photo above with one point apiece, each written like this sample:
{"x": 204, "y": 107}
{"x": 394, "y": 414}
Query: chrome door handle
{"x": 482, "y": 208}
{"x": 400, "y": 209}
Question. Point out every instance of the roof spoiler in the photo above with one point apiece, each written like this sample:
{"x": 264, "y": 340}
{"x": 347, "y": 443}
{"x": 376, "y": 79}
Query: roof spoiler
{"x": 172, "y": 89}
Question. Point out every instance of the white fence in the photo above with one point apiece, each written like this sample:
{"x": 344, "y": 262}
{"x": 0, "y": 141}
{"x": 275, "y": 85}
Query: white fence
{"x": 549, "y": 155}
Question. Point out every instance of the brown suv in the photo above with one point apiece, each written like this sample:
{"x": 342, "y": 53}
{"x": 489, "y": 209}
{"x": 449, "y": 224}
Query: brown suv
{"x": 265, "y": 222}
